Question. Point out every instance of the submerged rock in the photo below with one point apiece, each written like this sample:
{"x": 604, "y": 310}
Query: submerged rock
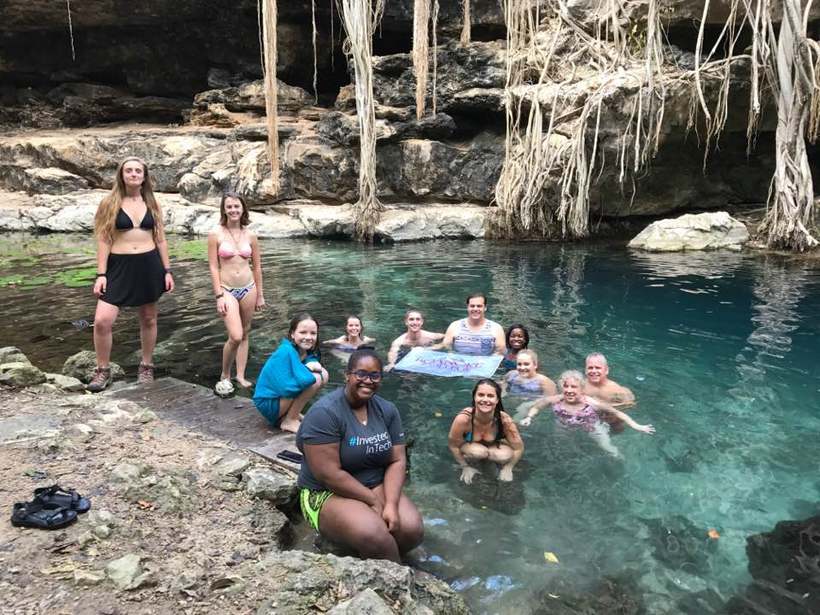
{"x": 608, "y": 595}
{"x": 709, "y": 231}
{"x": 680, "y": 544}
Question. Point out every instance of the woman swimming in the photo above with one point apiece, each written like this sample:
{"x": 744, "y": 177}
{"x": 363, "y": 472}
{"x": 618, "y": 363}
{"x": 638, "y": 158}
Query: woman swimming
{"x": 353, "y": 336}
{"x": 525, "y": 381}
{"x": 484, "y": 431}
{"x": 518, "y": 338}
{"x": 574, "y": 410}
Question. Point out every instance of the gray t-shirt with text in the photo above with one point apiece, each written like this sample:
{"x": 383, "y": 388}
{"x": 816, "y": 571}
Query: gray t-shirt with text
{"x": 364, "y": 450}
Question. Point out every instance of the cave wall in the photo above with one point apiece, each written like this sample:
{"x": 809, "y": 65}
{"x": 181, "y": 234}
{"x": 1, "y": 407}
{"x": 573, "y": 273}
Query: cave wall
{"x": 184, "y": 62}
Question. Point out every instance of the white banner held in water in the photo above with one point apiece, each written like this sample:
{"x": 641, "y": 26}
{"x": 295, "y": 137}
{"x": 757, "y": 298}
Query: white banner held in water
{"x": 425, "y": 361}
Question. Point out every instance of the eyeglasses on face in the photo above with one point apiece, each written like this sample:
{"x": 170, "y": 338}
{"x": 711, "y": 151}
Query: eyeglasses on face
{"x": 362, "y": 375}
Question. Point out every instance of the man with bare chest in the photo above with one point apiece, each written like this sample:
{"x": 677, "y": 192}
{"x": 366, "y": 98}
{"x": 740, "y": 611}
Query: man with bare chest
{"x": 599, "y": 386}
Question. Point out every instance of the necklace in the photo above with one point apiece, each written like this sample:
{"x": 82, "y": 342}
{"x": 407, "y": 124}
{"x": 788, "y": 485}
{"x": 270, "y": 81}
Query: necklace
{"x": 233, "y": 237}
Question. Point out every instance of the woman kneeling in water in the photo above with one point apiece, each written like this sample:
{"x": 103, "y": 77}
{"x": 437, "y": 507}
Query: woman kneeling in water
{"x": 485, "y": 431}
{"x": 574, "y": 410}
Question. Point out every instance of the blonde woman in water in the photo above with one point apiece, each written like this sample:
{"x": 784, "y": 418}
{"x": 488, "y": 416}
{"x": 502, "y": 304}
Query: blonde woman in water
{"x": 574, "y": 410}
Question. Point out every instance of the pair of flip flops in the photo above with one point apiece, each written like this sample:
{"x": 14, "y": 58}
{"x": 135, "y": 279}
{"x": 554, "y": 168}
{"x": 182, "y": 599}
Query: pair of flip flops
{"x": 52, "y": 508}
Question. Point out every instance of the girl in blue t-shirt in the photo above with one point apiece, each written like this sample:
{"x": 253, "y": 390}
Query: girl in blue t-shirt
{"x": 291, "y": 376}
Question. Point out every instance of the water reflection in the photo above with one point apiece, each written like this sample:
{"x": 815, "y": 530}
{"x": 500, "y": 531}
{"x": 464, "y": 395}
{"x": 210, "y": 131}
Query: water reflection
{"x": 778, "y": 290}
{"x": 680, "y": 330}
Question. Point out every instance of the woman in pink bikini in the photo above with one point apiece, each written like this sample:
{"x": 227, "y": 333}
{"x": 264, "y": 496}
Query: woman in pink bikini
{"x": 236, "y": 274}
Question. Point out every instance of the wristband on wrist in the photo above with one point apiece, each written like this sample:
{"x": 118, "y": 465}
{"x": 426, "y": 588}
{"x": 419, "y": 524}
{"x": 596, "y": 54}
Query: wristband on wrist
{"x": 102, "y": 275}
{"x": 167, "y": 271}
{"x": 219, "y": 296}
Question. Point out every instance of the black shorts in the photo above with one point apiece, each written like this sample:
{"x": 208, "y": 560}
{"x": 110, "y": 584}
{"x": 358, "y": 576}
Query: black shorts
{"x": 134, "y": 279}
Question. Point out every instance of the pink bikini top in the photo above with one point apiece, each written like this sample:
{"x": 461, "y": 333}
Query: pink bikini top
{"x": 226, "y": 250}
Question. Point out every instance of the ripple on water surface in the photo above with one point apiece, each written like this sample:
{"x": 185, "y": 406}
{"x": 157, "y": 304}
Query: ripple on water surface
{"x": 720, "y": 350}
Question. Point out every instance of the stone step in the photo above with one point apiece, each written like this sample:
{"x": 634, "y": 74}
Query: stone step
{"x": 234, "y": 420}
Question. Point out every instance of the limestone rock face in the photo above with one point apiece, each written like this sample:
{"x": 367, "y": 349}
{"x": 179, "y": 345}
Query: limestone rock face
{"x": 21, "y": 374}
{"x": 477, "y": 69}
{"x": 12, "y": 354}
{"x": 270, "y": 485}
{"x": 709, "y": 231}
{"x": 306, "y": 581}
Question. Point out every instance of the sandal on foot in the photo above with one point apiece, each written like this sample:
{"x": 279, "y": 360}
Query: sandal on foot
{"x": 63, "y": 498}
{"x": 41, "y": 516}
{"x": 224, "y": 387}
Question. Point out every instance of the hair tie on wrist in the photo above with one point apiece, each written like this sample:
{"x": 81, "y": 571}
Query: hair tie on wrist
{"x": 167, "y": 271}
{"x": 219, "y": 296}
{"x": 102, "y": 275}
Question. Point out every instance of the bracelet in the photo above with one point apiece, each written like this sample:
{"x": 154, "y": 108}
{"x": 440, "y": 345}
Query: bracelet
{"x": 167, "y": 271}
{"x": 219, "y": 296}
{"x": 102, "y": 275}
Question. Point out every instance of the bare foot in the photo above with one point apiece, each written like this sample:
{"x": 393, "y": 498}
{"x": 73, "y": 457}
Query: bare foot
{"x": 291, "y": 425}
{"x": 245, "y": 384}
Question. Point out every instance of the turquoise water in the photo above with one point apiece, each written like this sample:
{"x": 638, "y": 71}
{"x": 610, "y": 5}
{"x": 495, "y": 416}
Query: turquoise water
{"x": 720, "y": 350}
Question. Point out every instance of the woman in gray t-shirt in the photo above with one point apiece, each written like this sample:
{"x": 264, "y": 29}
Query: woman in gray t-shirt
{"x": 352, "y": 477}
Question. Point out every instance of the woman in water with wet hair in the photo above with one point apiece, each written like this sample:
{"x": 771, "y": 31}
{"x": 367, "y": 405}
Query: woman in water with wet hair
{"x": 484, "y": 431}
{"x": 353, "y": 337}
{"x": 574, "y": 410}
{"x": 236, "y": 276}
{"x": 355, "y": 465}
{"x": 518, "y": 338}
{"x": 133, "y": 269}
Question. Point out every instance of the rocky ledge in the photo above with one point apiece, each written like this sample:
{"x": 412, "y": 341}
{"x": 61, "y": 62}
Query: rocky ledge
{"x": 155, "y": 540}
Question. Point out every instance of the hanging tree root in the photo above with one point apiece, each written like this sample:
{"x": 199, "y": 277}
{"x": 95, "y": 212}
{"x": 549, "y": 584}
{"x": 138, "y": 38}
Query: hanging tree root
{"x": 554, "y": 152}
{"x": 359, "y": 19}
{"x": 269, "y": 20}
{"x": 554, "y": 115}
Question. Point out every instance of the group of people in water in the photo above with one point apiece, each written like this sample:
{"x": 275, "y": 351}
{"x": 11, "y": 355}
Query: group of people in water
{"x": 352, "y": 439}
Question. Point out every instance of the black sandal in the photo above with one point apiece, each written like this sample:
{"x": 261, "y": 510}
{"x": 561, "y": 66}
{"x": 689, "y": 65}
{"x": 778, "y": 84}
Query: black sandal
{"x": 64, "y": 498}
{"x": 41, "y": 516}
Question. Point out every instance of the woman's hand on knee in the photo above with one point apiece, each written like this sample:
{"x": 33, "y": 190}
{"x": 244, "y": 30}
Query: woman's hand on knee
{"x": 390, "y": 514}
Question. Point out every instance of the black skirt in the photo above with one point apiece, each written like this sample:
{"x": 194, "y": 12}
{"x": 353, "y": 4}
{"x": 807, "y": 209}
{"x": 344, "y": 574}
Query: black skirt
{"x": 134, "y": 279}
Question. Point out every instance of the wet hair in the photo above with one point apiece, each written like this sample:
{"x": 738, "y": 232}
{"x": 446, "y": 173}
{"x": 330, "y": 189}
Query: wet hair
{"x": 523, "y": 330}
{"x": 476, "y": 296}
{"x": 413, "y": 311}
{"x": 294, "y": 324}
{"x": 244, "y": 219}
{"x": 596, "y": 355}
{"x": 571, "y": 374}
{"x": 105, "y": 218}
{"x": 499, "y": 407}
{"x": 361, "y": 325}
{"x": 527, "y": 351}
{"x": 360, "y": 353}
